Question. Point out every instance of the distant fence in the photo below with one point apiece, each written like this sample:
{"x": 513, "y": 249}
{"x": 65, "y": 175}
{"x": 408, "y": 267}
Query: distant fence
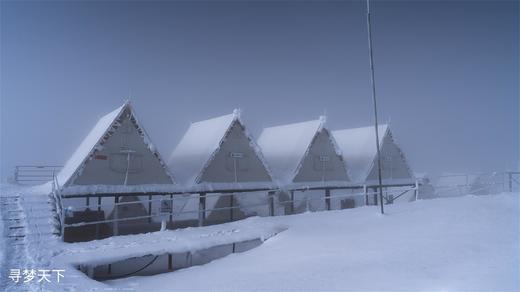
{"x": 35, "y": 174}
{"x": 476, "y": 183}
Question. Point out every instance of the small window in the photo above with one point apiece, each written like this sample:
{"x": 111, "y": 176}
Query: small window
{"x": 322, "y": 163}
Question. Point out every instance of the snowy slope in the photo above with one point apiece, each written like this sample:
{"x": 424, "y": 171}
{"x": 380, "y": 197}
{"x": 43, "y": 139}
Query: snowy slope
{"x": 450, "y": 244}
{"x": 459, "y": 244}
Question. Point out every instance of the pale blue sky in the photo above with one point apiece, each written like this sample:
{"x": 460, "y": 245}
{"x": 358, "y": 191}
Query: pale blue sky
{"x": 447, "y": 72}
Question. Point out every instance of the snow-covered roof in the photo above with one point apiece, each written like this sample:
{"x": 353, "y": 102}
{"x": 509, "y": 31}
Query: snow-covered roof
{"x": 97, "y": 135}
{"x": 201, "y": 143}
{"x": 285, "y": 146}
{"x": 358, "y": 149}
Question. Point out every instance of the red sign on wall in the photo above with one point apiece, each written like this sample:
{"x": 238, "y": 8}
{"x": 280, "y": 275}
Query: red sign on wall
{"x": 101, "y": 157}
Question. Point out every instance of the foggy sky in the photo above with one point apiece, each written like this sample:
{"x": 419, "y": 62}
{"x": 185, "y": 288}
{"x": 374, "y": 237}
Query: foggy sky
{"x": 447, "y": 73}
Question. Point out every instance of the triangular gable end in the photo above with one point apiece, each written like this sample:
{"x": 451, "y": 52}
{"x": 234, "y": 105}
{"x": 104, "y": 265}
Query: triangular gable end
{"x": 237, "y": 159}
{"x": 285, "y": 146}
{"x": 322, "y": 160}
{"x": 395, "y": 167}
{"x": 117, "y": 151}
{"x": 358, "y": 149}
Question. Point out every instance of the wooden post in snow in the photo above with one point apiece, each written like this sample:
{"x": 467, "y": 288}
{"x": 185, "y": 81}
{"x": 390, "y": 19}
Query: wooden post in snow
{"x": 149, "y": 208}
{"x": 270, "y": 198}
{"x": 98, "y": 216}
{"x": 416, "y": 190}
{"x": 327, "y": 199}
{"x": 231, "y": 207}
{"x": 171, "y": 213}
{"x": 116, "y": 216}
{"x": 202, "y": 208}
{"x": 292, "y": 202}
{"x": 366, "y": 194}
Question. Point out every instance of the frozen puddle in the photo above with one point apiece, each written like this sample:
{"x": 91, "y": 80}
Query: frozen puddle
{"x": 157, "y": 264}
{"x": 166, "y": 251}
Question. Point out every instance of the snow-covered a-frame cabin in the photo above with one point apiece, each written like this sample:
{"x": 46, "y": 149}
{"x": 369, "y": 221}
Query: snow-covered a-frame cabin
{"x": 115, "y": 163}
{"x": 359, "y": 151}
{"x": 303, "y": 156}
{"x": 219, "y": 158}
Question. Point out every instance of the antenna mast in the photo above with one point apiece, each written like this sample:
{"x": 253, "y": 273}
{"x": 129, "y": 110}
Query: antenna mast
{"x": 373, "y": 82}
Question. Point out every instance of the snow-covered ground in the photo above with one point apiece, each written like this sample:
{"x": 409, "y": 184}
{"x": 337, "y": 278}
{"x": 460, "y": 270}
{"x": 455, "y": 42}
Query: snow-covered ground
{"x": 450, "y": 244}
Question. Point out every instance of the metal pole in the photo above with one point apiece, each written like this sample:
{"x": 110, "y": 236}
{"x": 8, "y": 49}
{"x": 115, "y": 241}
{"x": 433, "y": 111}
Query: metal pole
{"x": 510, "y": 174}
{"x": 373, "y": 82}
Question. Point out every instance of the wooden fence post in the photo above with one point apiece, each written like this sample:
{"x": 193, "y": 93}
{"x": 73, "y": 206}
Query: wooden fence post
{"x": 171, "y": 213}
{"x": 270, "y": 198}
{"x": 366, "y": 194}
{"x": 202, "y": 208}
{"x": 327, "y": 199}
{"x": 231, "y": 209}
{"x": 116, "y": 216}
{"x": 149, "y": 209}
{"x": 98, "y": 216}
{"x": 292, "y": 202}
{"x": 416, "y": 190}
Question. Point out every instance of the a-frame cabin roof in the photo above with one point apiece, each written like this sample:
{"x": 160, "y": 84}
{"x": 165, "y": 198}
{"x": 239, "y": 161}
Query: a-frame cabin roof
{"x": 94, "y": 141}
{"x": 359, "y": 149}
{"x": 201, "y": 143}
{"x": 285, "y": 147}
